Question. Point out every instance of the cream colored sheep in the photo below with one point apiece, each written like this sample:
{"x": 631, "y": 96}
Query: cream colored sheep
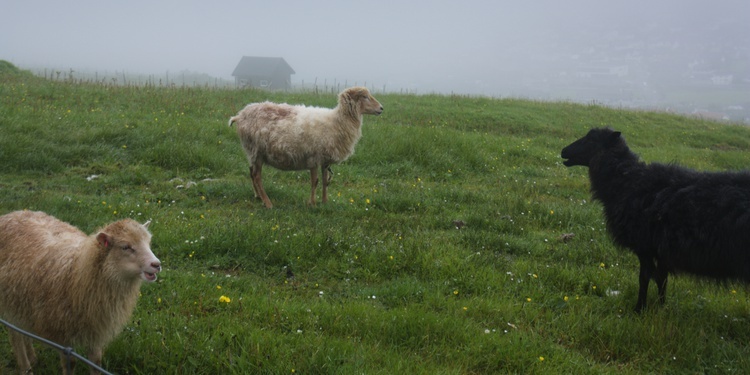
{"x": 295, "y": 137}
{"x": 65, "y": 286}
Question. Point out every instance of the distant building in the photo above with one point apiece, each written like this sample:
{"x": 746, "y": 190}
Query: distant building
{"x": 268, "y": 72}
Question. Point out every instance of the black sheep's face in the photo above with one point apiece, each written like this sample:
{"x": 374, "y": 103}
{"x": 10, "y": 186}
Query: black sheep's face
{"x": 582, "y": 151}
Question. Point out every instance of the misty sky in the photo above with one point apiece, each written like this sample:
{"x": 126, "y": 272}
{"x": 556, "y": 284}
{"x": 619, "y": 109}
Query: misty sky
{"x": 427, "y": 46}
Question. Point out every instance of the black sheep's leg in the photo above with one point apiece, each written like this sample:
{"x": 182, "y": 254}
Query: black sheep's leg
{"x": 660, "y": 277}
{"x": 647, "y": 269}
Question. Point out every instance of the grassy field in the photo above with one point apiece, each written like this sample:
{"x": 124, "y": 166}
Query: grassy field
{"x": 379, "y": 280}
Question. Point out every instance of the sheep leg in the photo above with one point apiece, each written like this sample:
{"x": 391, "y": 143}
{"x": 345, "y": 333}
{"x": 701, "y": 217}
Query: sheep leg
{"x": 326, "y": 179}
{"x": 647, "y": 270}
{"x": 255, "y": 175}
{"x": 68, "y": 364}
{"x": 30, "y": 353}
{"x": 23, "y": 349}
{"x": 95, "y": 355}
{"x": 255, "y": 188}
{"x": 330, "y": 174}
{"x": 314, "y": 184}
{"x": 660, "y": 277}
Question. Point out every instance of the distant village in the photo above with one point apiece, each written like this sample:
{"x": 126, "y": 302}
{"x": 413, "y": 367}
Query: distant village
{"x": 622, "y": 71}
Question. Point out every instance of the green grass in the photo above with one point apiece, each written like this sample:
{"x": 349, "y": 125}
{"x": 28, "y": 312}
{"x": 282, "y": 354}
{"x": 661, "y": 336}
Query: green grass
{"x": 383, "y": 281}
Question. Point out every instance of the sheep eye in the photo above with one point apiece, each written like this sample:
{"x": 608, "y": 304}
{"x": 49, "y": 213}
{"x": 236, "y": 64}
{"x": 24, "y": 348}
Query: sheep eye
{"x": 128, "y": 248}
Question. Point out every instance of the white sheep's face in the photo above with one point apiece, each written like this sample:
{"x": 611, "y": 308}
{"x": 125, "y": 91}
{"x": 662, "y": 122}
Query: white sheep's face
{"x": 368, "y": 105}
{"x": 130, "y": 255}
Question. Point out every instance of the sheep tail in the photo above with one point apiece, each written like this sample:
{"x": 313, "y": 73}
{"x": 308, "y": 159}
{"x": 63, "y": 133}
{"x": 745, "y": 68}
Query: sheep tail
{"x": 232, "y": 120}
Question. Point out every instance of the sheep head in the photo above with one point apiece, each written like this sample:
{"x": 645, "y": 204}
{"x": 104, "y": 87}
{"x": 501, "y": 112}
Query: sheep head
{"x": 128, "y": 250}
{"x": 594, "y": 144}
{"x": 359, "y": 101}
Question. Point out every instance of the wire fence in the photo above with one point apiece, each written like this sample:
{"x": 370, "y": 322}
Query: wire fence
{"x": 67, "y": 351}
{"x": 189, "y": 79}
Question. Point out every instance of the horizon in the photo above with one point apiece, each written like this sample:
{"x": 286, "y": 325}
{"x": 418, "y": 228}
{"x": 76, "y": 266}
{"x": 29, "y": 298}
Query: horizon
{"x": 634, "y": 54}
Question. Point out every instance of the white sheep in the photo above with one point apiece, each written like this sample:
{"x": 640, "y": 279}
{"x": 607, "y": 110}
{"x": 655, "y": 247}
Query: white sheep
{"x": 295, "y": 137}
{"x": 65, "y": 286}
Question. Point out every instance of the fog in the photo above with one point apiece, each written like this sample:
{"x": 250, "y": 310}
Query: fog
{"x": 667, "y": 54}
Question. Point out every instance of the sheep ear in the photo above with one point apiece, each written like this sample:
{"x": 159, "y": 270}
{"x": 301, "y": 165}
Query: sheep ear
{"x": 614, "y": 138}
{"x": 103, "y": 239}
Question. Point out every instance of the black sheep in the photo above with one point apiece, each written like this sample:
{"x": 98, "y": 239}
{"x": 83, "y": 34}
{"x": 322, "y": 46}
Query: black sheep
{"x": 676, "y": 220}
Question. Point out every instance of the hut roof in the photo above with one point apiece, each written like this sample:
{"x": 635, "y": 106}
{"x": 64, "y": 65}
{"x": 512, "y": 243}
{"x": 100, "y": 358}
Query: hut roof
{"x": 261, "y": 66}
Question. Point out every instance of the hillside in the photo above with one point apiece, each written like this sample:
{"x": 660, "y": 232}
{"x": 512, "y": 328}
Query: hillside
{"x": 380, "y": 280}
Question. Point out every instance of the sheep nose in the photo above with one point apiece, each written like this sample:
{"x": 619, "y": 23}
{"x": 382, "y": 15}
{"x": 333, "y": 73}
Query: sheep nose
{"x": 157, "y": 266}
